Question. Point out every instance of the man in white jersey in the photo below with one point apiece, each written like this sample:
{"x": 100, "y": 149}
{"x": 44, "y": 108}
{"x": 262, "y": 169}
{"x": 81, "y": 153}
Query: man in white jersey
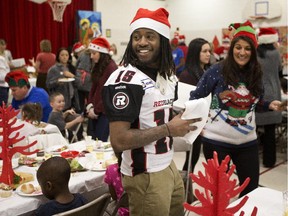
{"x": 138, "y": 100}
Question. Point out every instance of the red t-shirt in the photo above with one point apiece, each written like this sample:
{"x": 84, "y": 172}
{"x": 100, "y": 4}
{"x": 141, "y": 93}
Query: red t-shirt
{"x": 46, "y": 60}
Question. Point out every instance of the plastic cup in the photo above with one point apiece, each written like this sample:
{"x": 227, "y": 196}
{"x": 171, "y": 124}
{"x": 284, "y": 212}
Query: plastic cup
{"x": 285, "y": 203}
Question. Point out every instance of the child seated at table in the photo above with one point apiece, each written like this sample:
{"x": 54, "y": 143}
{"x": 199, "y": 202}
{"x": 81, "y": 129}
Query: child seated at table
{"x": 53, "y": 177}
{"x": 113, "y": 179}
{"x": 69, "y": 119}
{"x": 32, "y": 113}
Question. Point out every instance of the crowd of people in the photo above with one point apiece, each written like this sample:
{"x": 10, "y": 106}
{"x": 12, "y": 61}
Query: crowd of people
{"x": 131, "y": 103}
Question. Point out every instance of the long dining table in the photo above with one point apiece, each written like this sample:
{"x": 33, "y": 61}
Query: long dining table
{"x": 89, "y": 183}
{"x": 269, "y": 202}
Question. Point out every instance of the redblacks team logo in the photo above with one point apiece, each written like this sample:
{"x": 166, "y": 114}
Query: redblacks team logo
{"x": 120, "y": 100}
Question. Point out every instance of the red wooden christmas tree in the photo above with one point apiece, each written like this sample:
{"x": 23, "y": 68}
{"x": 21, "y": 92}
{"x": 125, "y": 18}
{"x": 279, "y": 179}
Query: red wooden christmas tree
{"x": 7, "y": 123}
{"x": 218, "y": 190}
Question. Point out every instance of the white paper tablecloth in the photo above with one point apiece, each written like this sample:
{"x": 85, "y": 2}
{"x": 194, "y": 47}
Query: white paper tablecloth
{"x": 268, "y": 201}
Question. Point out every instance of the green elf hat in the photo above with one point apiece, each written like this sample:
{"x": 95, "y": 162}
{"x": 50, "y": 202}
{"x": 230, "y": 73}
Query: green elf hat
{"x": 16, "y": 78}
{"x": 244, "y": 29}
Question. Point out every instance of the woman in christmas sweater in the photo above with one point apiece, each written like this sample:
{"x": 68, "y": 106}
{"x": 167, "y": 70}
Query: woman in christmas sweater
{"x": 236, "y": 88}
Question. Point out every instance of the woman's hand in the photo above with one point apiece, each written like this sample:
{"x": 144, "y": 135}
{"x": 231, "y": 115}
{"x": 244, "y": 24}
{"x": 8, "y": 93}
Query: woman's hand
{"x": 91, "y": 114}
{"x": 68, "y": 74}
{"x": 278, "y": 105}
{"x": 32, "y": 61}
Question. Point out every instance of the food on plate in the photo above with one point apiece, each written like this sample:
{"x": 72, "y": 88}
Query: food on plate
{"x": 5, "y": 190}
{"x": 83, "y": 153}
{"x": 40, "y": 153}
{"x": 63, "y": 148}
{"x": 29, "y": 161}
{"x": 103, "y": 145}
{"x": 30, "y": 189}
{"x": 75, "y": 165}
{"x": 24, "y": 177}
{"x": 27, "y": 188}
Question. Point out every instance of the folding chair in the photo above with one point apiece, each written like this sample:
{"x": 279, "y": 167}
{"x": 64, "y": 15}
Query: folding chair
{"x": 75, "y": 133}
{"x": 94, "y": 208}
{"x": 122, "y": 202}
{"x": 182, "y": 145}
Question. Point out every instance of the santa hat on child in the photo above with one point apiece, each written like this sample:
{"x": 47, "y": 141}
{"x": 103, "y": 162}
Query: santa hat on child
{"x": 181, "y": 38}
{"x": 226, "y": 39}
{"x": 174, "y": 42}
{"x": 100, "y": 44}
{"x": 156, "y": 20}
{"x": 244, "y": 29}
{"x": 17, "y": 78}
{"x": 267, "y": 36}
{"x": 77, "y": 47}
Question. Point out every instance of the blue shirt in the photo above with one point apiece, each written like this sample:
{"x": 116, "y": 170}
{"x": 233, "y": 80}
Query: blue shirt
{"x": 177, "y": 56}
{"x": 35, "y": 95}
{"x": 53, "y": 207}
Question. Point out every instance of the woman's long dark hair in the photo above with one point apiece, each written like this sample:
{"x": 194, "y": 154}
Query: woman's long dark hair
{"x": 167, "y": 65}
{"x": 71, "y": 68}
{"x": 262, "y": 49}
{"x": 193, "y": 64}
{"x": 250, "y": 74}
{"x": 100, "y": 66}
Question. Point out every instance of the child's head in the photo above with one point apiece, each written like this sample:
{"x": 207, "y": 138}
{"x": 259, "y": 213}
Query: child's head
{"x": 57, "y": 101}
{"x": 53, "y": 176}
{"x": 32, "y": 112}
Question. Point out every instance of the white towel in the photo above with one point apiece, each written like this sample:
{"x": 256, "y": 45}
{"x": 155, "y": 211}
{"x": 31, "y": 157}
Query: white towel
{"x": 196, "y": 109}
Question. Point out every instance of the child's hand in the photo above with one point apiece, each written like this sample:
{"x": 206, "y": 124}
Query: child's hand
{"x": 79, "y": 119}
{"x": 71, "y": 112}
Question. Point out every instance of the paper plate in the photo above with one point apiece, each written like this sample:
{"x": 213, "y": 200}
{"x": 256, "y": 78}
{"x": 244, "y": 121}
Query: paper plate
{"x": 66, "y": 79}
{"x": 37, "y": 192}
{"x": 57, "y": 149}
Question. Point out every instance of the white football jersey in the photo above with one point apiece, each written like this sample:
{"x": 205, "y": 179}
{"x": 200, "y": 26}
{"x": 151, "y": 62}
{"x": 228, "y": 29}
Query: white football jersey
{"x": 130, "y": 95}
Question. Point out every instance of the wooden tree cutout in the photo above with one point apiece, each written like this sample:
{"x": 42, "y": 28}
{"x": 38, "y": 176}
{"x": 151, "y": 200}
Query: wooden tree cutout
{"x": 218, "y": 190}
{"x": 7, "y": 121}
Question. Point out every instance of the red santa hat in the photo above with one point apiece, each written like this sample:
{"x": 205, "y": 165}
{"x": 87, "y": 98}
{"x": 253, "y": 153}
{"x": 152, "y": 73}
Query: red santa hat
{"x": 181, "y": 38}
{"x": 156, "y": 20}
{"x": 174, "y": 42}
{"x": 226, "y": 39}
{"x": 16, "y": 78}
{"x": 244, "y": 29}
{"x": 267, "y": 36}
{"x": 99, "y": 44}
{"x": 77, "y": 47}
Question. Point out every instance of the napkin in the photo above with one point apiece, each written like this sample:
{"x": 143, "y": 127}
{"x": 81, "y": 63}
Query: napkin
{"x": 198, "y": 108}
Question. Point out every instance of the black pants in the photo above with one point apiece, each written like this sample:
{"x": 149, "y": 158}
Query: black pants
{"x": 245, "y": 159}
{"x": 196, "y": 149}
{"x": 83, "y": 97}
{"x": 268, "y": 141}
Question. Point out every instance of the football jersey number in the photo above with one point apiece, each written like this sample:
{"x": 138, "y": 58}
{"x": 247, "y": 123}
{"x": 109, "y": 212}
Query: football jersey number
{"x": 126, "y": 77}
{"x": 161, "y": 145}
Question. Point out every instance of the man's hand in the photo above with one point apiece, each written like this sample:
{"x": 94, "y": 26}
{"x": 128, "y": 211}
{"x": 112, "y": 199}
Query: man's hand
{"x": 180, "y": 127}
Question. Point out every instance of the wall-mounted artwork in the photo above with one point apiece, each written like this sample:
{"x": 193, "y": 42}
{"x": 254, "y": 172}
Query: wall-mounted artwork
{"x": 89, "y": 25}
